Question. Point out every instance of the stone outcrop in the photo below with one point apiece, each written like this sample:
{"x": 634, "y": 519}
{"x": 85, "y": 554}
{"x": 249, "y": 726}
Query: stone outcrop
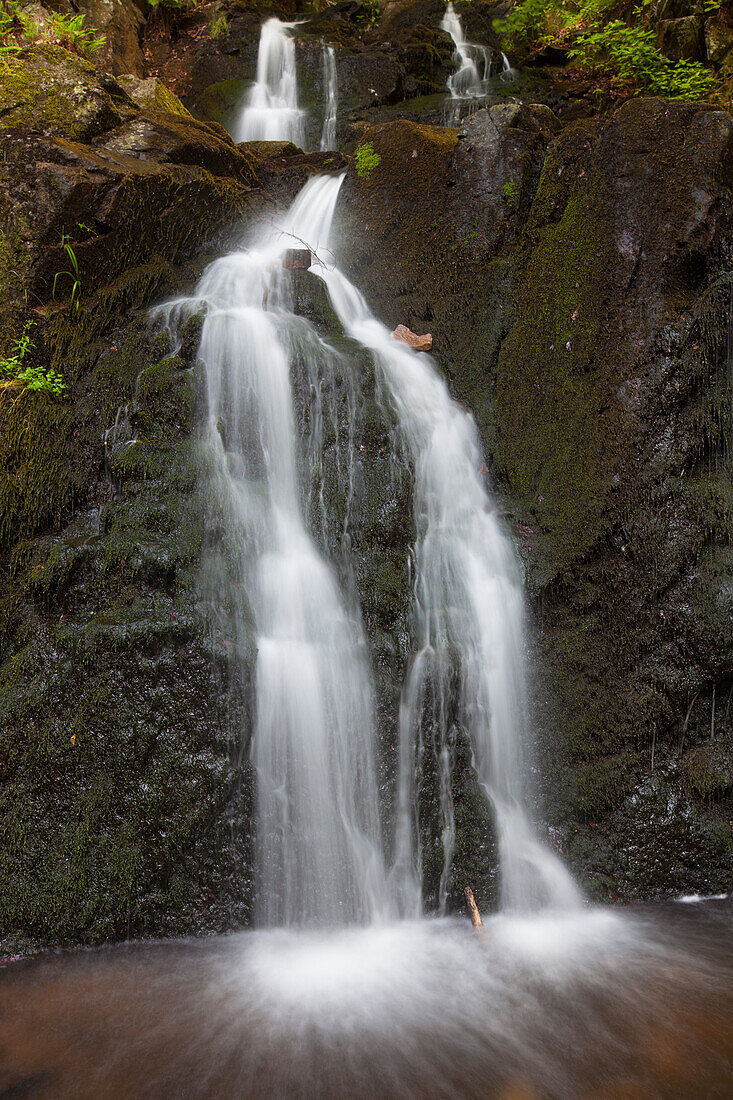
{"x": 151, "y": 95}
{"x": 124, "y": 800}
{"x": 122, "y": 23}
{"x": 419, "y": 343}
{"x": 578, "y": 285}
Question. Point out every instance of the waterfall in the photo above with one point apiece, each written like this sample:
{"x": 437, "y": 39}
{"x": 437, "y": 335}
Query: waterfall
{"x": 330, "y": 83}
{"x": 319, "y": 852}
{"x": 272, "y": 112}
{"x": 468, "y": 614}
{"x": 474, "y": 60}
{"x": 319, "y": 844}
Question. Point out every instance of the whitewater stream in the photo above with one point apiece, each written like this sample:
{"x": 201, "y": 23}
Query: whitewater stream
{"x": 272, "y": 109}
{"x": 320, "y": 854}
{"x": 475, "y": 62}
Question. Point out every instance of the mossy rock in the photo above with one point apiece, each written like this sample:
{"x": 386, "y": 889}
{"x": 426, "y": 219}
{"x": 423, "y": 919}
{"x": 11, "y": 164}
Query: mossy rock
{"x": 220, "y": 102}
{"x": 152, "y": 96}
{"x": 47, "y": 89}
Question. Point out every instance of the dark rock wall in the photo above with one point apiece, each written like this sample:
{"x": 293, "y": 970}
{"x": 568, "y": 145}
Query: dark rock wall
{"x": 578, "y": 285}
{"x": 125, "y": 796}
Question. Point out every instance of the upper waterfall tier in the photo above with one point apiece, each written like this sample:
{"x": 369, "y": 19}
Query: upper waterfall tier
{"x": 474, "y": 61}
{"x": 272, "y": 112}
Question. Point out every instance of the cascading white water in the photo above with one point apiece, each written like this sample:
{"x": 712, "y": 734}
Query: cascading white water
{"x": 272, "y": 112}
{"x": 319, "y": 840}
{"x": 319, "y": 853}
{"x": 474, "y": 60}
{"x": 468, "y": 611}
{"x": 467, "y": 80}
{"x": 330, "y": 83}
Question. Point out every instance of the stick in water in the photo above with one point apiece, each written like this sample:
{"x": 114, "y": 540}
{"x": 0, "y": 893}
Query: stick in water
{"x": 473, "y": 908}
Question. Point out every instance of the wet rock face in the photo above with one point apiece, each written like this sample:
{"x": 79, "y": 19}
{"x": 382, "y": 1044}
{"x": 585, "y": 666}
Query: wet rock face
{"x": 121, "y": 22}
{"x": 125, "y": 798}
{"x": 403, "y": 56}
{"x": 123, "y": 806}
{"x": 577, "y": 284}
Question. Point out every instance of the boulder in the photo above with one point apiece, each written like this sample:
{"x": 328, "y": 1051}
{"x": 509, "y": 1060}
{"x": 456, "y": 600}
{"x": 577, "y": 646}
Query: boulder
{"x": 121, "y": 22}
{"x": 152, "y": 96}
{"x": 49, "y": 90}
{"x": 682, "y": 39}
{"x": 718, "y": 41}
{"x": 419, "y": 343}
{"x": 297, "y": 259}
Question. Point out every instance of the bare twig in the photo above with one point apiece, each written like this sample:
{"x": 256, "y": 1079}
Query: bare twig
{"x": 311, "y": 249}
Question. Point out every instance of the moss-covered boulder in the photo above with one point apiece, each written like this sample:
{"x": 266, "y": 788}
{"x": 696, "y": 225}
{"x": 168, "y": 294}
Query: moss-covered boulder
{"x": 49, "y": 90}
{"x": 152, "y": 96}
{"x": 91, "y": 190}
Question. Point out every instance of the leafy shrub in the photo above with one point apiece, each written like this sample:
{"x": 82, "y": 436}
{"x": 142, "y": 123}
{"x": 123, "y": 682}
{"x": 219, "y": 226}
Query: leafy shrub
{"x": 66, "y": 30}
{"x": 33, "y": 378}
{"x": 368, "y": 14}
{"x": 366, "y": 160}
{"x": 625, "y": 52}
{"x": 631, "y": 54}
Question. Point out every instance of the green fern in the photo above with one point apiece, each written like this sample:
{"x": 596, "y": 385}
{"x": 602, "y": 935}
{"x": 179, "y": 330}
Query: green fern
{"x": 43, "y": 379}
{"x": 625, "y": 52}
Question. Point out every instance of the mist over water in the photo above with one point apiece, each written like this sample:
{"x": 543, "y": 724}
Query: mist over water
{"x": 586, "y": 1004}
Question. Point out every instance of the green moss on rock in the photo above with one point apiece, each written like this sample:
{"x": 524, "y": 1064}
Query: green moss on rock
{"x": 46, "y": 88}
{"x": 152, "y": 96}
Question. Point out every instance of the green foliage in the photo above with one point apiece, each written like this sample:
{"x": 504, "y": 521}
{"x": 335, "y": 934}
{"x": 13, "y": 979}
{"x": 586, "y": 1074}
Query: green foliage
{"x": 626, "y": 52}
{"x": 368, "y": 15}
{"x": 511, "y": 194}
{"x": 71, "y": 30}
{"x": 631, "y": 54}
{"x": 7, "y": 26}
{"x": 33, "y": 378}
{"x": 527, "y": 23}
{"x": 219, "y": 25}
{"x": 67, "y": 30}
{"x": 72, "y": 274}
{"x": 366, "y": 160}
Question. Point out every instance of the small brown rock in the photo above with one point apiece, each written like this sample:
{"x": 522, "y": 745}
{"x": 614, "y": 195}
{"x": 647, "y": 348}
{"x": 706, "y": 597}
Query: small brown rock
{"x": 419, "y": 343}
{"x": 297, "y": 259}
